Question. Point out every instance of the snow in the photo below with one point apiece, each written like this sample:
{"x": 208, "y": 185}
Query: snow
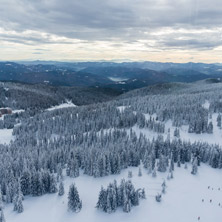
{"x": 206, "y": 105}
{"x": 68, "y": 104}
{"x": 121, "y": 108}
{"x": 18, "y": 111}
{"x": 215, "y": 138}
{"x": 182, "y": 201}
{"x": 6, "y": 136}
{"x": 117, "y": 79}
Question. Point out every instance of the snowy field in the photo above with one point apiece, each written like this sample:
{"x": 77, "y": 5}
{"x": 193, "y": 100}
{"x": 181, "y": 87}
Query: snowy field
{"x": 63, "y": 105}
{"x": 5, "y": 136}
{"x": 215, "y": 138}
{"x": 187, "y": 198}
{"x": 117, "y": 79}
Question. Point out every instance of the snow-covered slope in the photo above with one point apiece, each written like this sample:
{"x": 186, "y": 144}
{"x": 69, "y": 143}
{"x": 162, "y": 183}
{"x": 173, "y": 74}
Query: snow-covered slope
{"x": 187, "y": 198}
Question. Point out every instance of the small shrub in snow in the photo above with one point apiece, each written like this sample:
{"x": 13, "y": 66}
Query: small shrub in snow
{"x": 158, "y": 197}
{"x": 130, "y": 174}
{"x": 164, "y": 187}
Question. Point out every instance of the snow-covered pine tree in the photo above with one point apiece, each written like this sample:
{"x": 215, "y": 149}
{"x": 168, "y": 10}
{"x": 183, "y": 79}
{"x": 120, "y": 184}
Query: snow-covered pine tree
{"x": 194, "y": 166}
{"x": 158, "y": 197}
{"x": 19, "y": 204}
{"x": 162, "y": 164}
{"x": 25, "y": 182}
{"x": 52, "y": 184}
{"x": 176, "y": 133}
{"x": 130, "y": 174}
{"x": 2, "y": 217}
{"x": 61, "y": 189}
{"x": 15, "y": 202}
{"x": 154, "y": 172}
{"x": 74, "y": 202}
{"x": 219, "y": 120}
{"x": 139, "y": 172}
{"x": 171, "y": 164}
{"x": 163, "y": 187}
{"x": 126, "y": 202}
{"x": 102, "y": 200}
{"x": 1, "y": 200}
{"x": 210, "y": 128}
{"x": 143, "y": 194}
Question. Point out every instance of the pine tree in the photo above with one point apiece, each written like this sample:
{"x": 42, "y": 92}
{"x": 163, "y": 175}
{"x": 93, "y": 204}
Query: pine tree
{"x": 74, "y": 202}
{"x": 19, "y": 204}
{"x": 162, "y": 164}
{"x": 61, "y": 189}
{"x": 102, "y": 201}
{"x": 194, "y": 166}
{"x": 1, "y": 201}
{"x": 52, "y": 184}
{"x": 126, "y": 203}
{"x": 219, "y": 120}
{"x": 2, "y": 217}
{"x": 154, "y": 172}
{"x": 25, "y": 182}
{"x": 177, "y": 132}
{"x": 130, "y": 174}
{"x": 143, "y": 194}
{"x": 140, "y": 172}
{"x": 210, "y": 128}
{"x": 158, "y": 197}
{"x": 171, "y": 164}
{"x": 15, "y": 203}
{"x": 164, "y": 187}
{"x": 171, "y": 175}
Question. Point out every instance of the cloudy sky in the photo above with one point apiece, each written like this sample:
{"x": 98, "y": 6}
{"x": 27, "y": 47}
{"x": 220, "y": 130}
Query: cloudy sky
{"x": 154, "y": 30}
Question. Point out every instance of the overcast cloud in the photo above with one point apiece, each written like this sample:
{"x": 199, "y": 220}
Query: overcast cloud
{"x": 97, "y": 29}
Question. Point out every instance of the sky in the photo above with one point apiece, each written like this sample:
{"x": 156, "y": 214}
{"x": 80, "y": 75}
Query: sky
{"x": 86, "y": 30}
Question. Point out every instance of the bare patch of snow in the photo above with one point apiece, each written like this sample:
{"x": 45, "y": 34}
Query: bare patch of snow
{"x": 68, "y": 104}
{"x": 18, "y": 111}
{"x": 206, "y": 105}
{"x": 121, "y": 108}
{"x": 6, "y": 136}
{"x": 117, "y": 79}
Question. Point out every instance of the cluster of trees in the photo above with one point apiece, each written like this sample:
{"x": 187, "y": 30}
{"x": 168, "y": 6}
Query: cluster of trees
{"x": 34, "y": 166}
{"x": 30, "y": 182}
{"x": 124, "y": 195}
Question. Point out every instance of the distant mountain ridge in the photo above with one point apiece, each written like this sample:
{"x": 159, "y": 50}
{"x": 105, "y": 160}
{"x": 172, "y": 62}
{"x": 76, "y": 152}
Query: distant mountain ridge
{"x": 123, "y": 76}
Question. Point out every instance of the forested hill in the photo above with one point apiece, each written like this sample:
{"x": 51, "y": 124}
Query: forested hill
{"x": 42, "y": 96}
